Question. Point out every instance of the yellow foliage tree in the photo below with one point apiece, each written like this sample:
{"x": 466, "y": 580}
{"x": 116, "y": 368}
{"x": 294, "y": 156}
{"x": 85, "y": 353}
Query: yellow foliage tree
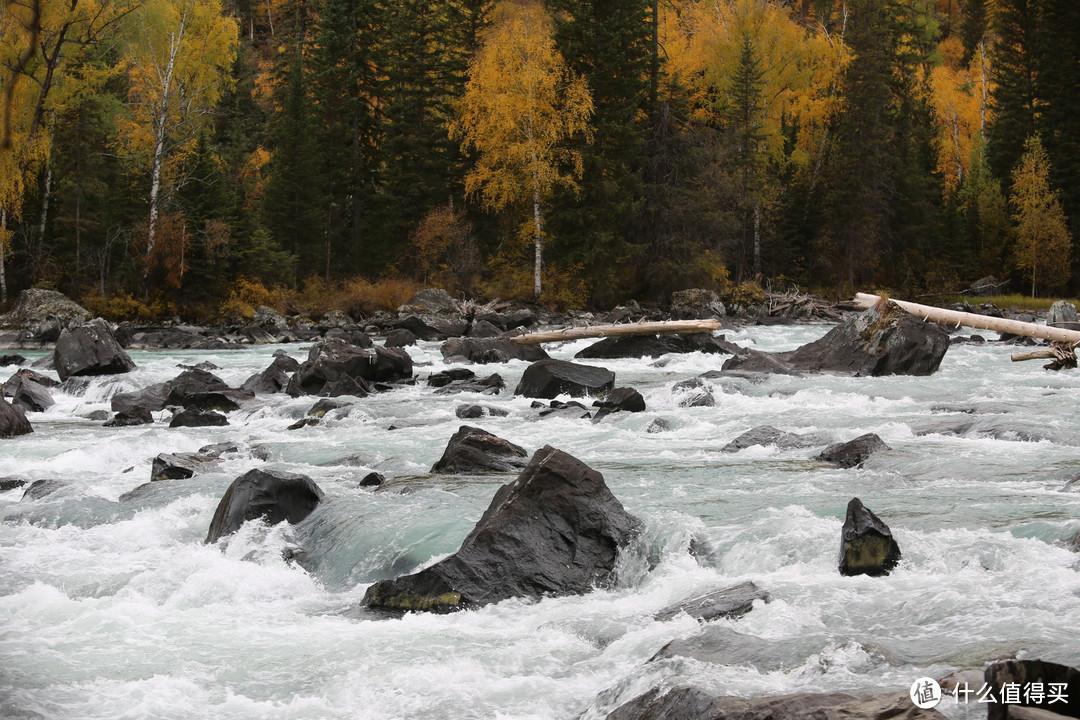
{"x": 520, "y": 104}
{"x": 961, "y": 97}
{"x": 1042, "y": 235}
{"x": 179, "y": 56}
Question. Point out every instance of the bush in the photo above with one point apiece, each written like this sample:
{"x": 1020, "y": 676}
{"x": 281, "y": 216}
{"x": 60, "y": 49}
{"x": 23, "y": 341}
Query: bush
{"x": 121, "y": 306}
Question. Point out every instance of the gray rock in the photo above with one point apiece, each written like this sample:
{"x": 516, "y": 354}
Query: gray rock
{"x": 1062, "y": 314}
{"x": 658, "y": 425}
{"x": 694, "y": 392}
{"x": 731, "y": 602}
{"x": 690, "y": 703}
{"x": 197, "y": 418}
{"x": 878, "y": 341}
{"x": 473, "y": 412}
{"x": 168, "y": 466}
{"x": 767, "y": 435}
{"x": 1025, "y": 672}
{"x": 723, "y": 646}
{"x": 653, "y": 346}
{"x": 853, "y": 453}
{"x": 44, "y": 313}
{"x": 551, "y": 378}
{"x": 131, "y": 415}
{"x": 399, "y": 337}
{"x": 867, "y": 546}
{"x": 472, "y": 450}
{"x": 331, "y": 359}
{"x": 696, "y": 304}
{"x": 90, "y": 349}
{"x": 270, "y": 495}
{"x": 435, "y": 300}
{"x": 491, "y": 350}
{"x": 12, "y": 420}
{"x": 555, "y": 530}
{"x": 28, "y": 395}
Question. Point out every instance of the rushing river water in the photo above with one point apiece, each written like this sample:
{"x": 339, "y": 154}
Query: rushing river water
{"x": 113, "y": 609}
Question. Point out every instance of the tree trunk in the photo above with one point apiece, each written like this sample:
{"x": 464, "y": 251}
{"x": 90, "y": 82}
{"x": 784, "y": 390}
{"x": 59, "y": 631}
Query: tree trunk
{"x": 971, "y": 320}
{"x": 538, "y": 236}
{"x": 46, "y": 193}
{"x": 757, "y": 238}
{"x": 3, "y": 255}
{"x": 160, "y": 136}
{"x": 670, "y": 327}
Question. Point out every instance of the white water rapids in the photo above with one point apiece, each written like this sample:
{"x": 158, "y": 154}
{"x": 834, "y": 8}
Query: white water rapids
{"x": 114, "y": 609}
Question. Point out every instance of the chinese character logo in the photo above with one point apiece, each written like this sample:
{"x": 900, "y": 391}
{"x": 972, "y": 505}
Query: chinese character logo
{"x": 925, "y": 693}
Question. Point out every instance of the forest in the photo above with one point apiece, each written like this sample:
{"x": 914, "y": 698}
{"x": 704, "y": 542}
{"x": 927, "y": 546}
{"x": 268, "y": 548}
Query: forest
{"x": 195, "y": 158}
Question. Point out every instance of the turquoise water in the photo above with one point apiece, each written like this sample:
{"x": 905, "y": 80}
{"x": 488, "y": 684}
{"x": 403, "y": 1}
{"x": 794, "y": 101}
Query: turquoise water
{"x": 115, "y": 609}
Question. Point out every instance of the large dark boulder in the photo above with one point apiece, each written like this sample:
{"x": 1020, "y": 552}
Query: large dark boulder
{"x": 472, "y": 450}
{"x": 867, "y": 546}
{"x": 852, "y": 453}
{"x": 551, "y": 378}
{"x": 491, "y": 350}
{"x": 691, "y": 703}
{"x": 270, "y": 495}
{"x": 883, "y": 340}
{"x": 639, "y": 346}
{"x": 90, "y": 349}
{"x": 433, "y": 327}
{"x": 731, "y": 602}
{"x": 332, "y": 359}
{"x": 473, "y": 412}
{"x": 274, "y": 379}
{"x": 507, "y": 320}
{"x": 1024, "y": 673}
{"x": 12, "y": 420}
{"x": 28, "y": 395}
{"x": 399, "y": 337}
{"x": 131, "y": 415}
{"x": 555, "y": 530}
{"x": 432, "y": 300}
{"x": 167, "y": 466}
{"x": 44, "y": 313}
{"x": 198, "y": 418}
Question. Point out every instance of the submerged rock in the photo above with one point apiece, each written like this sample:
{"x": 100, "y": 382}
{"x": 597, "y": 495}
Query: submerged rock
{"x": 198, "y": 418}
{"x": 867, "y": 546}
{"x": 694, "y": 392}
{"x": 767, "y": 435}
{"x": 555, "y": 530}
{"x": 624, "y": 399}
{"x": 90, "y": 349}
{"x": 168, "y": 466}
{"x": 853, "y": 453}
{"x": 473, "y": 412}
{"x": 883, "y": 340}
{"x": 472, "y": 450}
{"x": 551, "y": 378}
{"x": 12, "y": 420}
{"x": 731, "y": 602}
{"x": 270, "y": 495}
{"x": 132, "y": 415}
{"x": 691, "y": 703}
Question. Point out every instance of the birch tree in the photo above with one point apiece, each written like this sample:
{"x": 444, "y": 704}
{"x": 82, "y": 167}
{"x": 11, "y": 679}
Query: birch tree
{"x": 179, "y": 59}
{"x": 520, "y": 104}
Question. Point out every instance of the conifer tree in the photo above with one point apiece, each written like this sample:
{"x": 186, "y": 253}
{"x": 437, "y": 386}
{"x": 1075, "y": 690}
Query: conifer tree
{"x": 1043, "y": 243}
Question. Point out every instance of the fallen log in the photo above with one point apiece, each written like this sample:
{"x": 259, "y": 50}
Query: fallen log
{"x": 642, "y": 328}
{"x": 971, "y": 320}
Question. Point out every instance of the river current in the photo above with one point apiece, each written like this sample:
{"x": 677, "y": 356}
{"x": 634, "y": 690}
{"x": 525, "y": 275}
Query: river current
{"x": 113, "y": 609}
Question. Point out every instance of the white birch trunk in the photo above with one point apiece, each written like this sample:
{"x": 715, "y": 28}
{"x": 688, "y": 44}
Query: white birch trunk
{"x": 757, "y": 237}
{"x": 538, "y": 236}
{"x": 161, "y": 126}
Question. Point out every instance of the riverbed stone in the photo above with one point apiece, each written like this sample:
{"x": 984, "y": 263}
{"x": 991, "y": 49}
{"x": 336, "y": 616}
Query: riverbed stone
{"x": 131, "y": 415}
{"x": 867, "y": 546}
{"x": 473, "y": 450}
{"x": 332, "y": 359}
{"x": 198, "y": 418}
{"x": 12, "y": 420}
{"x": 853, "y": 453}
{"x": 1023, "y": 673}
{"x": 555, "y": 530}
{"x": 90, "y": 349}
{"x": 271, "y": 495}
{"x": 473, "y": 412}
{"x": 692, "y": 703}
{"x": 767, "y": 435}
{"x": 883, "y": 340}
{"x": 729, "y": 602}
{"x": 491, "y": 350}
{"x": 177, "y": 466}
{"x": 653, "y": 346}
{"x": 28, "y": 395}
{"x": 551, "y": 378}
{"x": 44, "y": 313}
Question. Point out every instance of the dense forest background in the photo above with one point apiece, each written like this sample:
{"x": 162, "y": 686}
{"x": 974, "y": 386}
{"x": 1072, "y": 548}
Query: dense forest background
{"x": 181, "y": 156}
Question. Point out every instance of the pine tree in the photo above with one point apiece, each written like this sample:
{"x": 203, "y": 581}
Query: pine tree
{"x": 1058, "y": 81}
{"x": 1015, "y": 99}
{"x": 609, "y": 43}
{"x": 744, "y": 118}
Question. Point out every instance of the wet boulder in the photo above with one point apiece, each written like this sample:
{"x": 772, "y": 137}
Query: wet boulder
{"x": 12, "y": 420}
{"x": 274, "y": 379}
{"x": 1062, "y": 680}
{"x": 884, "y": 340}
{"x": 491, "y": 350}
{"x": 167, "y": 466}
{"x": 28, "y": 395}
{"x": 473, "y": 412}
{"x": 202, "y": 390}
{"x": 767, "y": 435}
{"x": 473, "y": 450}
{"x": 692, "y": 703}
{"x": 399, "y": 337}
{"x": 572, "y": 410}
{"x": 867, "y": 546}
{"x": 693, "y": 392}
{"x": 491, "y": 385}
{"x": 11, "y": 359}
{"x": 653, "y": 346}
{"x": 270, "y": 495}
{"x": 444, "y": 378}
{"x": 332, "y": 359}
{"x": 852, "y": 453}
{"x": 151, "y": 398}
{"x": 555, "y": 530}
{"x": 729, "y": 602}
{"x": 198, "y": 418}
{"x": 482, "y": 329}
{"x": 433, "y": 327}
{"x": 131, "y": 415}
{"x": 624, "y": 399}
{"x": 551, "y": 378}
{"x": 90, "y": 349}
